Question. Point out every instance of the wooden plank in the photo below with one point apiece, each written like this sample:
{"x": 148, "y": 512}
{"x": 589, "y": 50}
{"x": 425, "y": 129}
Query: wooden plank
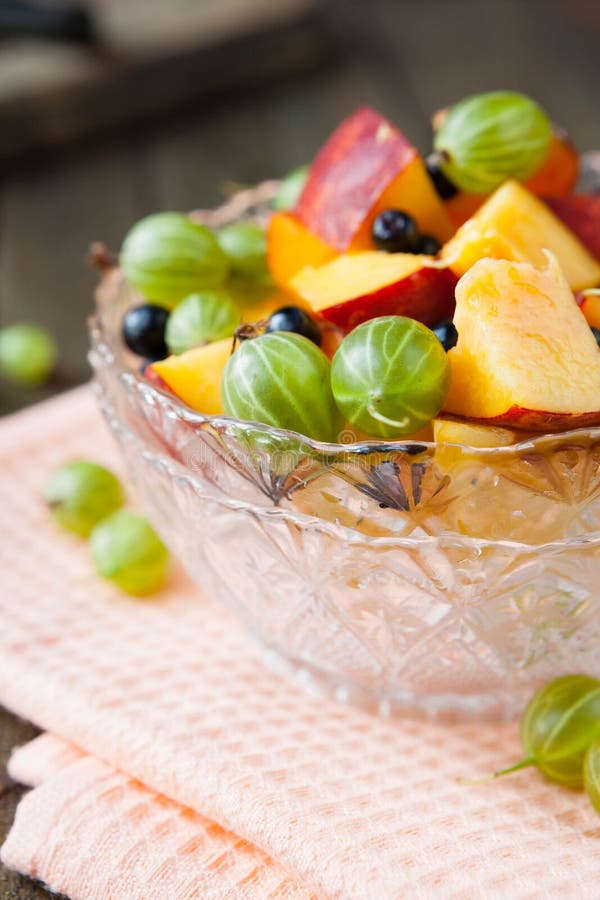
{"x": 106, "y": 92}
{"x": 373, "y": 45}
{"x": 13, "y": 731}
{"x": 48, "y": 217}
{"x": 250, "y": 137}
{"x": 545, "y": 48}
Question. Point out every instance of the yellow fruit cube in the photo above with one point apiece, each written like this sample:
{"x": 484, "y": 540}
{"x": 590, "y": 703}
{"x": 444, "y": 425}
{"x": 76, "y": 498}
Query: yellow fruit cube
{"x": 525, "y": 356}
{"x": 195, "y": 376}
{"x": 514, "y": 224}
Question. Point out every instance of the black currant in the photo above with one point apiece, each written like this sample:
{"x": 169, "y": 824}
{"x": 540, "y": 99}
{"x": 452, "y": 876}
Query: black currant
{"x": 143, "y": 331}
{"x": 429, "y": 245}
{"x": 442, "y": 184}
{"x": 446, "y": 334}
{"x": 297, "y": 320}
{"x": 395, "y": 232}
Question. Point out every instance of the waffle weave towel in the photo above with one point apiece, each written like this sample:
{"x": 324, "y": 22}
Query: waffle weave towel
{"x": 91, "y": 831}
{"x": 201, "y": 774}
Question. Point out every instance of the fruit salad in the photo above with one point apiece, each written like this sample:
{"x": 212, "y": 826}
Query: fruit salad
{"x": 386, "y": 294}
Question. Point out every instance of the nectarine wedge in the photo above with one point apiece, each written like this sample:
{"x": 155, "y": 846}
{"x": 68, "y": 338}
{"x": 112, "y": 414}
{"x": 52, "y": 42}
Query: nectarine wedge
{"x": 453, "y": 435}
{"x": 366, "y": 166}
{"x": 291, "y": 246}
{"x": 590, "y": 307}
{"x": 152, "y": 375}
{"x": 557, "y": 176}
{"x": 195, "y": 376}
{"x": 525, "y": 356}
{"x": 462, "y": 206}
{"x": 355, "y": 287}
{"x": 513, "y": 224}
{"x": 472, "y": 434}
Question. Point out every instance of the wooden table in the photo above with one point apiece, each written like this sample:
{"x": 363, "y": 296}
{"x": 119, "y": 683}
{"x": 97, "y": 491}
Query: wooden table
{"x": 405, "y": 58}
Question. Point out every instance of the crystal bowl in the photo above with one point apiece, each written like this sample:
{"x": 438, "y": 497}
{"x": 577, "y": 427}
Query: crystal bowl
{"x": 439, "y": 579}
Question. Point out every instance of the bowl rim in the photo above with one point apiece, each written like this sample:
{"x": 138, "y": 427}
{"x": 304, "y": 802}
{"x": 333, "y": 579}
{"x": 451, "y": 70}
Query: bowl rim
{"x": 336, "y": 530}
{"x": 532, "y": 444}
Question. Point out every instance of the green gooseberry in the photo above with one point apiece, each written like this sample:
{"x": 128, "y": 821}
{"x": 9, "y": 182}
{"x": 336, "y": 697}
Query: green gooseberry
{"x": 127, "y": 551}
{"x": 201, "y": 318}
{"x": 282, "y": 379}
{"x": 290, "y": 188}
{"x": 559, "y": 725}
{"x": 82, "y": 493}
{"x": 28, "y": 354}
{"x": 390, "y": 376}
{"x": 167, "y": 256}
{"x": 487, "y": 138}
{"x": 591, "y": 774}
{"x": 245, "y": 245}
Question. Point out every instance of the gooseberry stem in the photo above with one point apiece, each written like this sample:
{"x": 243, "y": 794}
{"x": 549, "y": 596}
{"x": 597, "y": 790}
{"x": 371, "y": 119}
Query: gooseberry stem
{"x": 395, "y": 423}
{"x": 248, "y": 331}
{"x": 439, "y": 157}
{"x": 522, "y": 764}
{"x": 101, "y": 258}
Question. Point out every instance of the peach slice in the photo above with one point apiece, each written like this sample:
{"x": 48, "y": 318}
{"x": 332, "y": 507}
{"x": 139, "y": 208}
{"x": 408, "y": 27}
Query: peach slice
{"x": 256, "y": 301}
{"x": 525, "y": 356}
{"x": 152, "y": 375}
{"x": 454, "y": 437}
{"x": 580, "y": 213}
{"x": 367, "y": 166}
{"x": 463, "y": 206}
{"x": 195, "y": 376}
{"x": 262, "y": 309}
{"x": 513, "y": 224}
{"x": 590, "y": 307}
{"x": 471, "y": 434}
{"x": 291, "y": 246}
{"x": 558, "y": 174}
{"x": 355, "y": 287}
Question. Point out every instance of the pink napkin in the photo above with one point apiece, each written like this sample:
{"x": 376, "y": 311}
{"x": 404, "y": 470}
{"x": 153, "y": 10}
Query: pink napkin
{"x": 90, "y": 831}
{"x": 202, "y": 774}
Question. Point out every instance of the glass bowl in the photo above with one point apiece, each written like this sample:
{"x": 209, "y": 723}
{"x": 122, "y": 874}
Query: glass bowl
{"x": 439, "y": 579}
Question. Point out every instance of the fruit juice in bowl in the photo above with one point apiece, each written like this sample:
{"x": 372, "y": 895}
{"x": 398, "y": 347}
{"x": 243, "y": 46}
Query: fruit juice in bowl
{"x": 360, "y": 407}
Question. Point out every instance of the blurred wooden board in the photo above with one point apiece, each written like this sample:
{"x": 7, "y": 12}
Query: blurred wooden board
{"x": 151, "y": 57}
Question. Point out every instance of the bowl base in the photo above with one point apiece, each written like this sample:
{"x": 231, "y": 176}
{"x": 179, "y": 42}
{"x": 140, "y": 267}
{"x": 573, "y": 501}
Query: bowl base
{"x": 447, "y": 708}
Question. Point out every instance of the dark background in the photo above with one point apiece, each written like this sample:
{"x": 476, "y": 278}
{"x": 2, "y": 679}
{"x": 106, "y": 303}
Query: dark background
{"x": 167, "y": 131}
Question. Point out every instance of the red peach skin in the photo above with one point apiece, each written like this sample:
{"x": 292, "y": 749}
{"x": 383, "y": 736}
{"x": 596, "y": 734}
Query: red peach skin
{"x": 365, "y": 166}
{"x": 580, "y": 213}
{"x": 539, "y": 421}
{"x": 427, "y": 295}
